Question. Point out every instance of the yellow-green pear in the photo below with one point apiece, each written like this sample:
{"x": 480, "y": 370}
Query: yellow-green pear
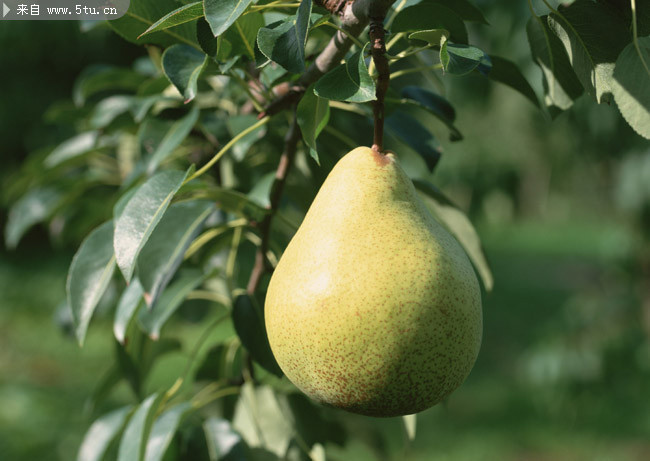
{"x": 374, "y": 307}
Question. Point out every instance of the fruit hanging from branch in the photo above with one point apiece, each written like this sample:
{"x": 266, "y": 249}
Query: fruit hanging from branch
{"x": 374, "y": 307}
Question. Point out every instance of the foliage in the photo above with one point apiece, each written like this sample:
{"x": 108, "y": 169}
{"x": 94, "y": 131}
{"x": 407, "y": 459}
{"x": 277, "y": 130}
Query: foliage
{"x": 178, "y": 234}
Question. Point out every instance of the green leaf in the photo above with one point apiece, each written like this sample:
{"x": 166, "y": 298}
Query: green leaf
{"x": 631, "y": 86}
{"x": 240, "y": 38}
{"x": 164, "y": 250}
{"x": 434, "y": 104}
{"x": 173, "y": 138}
{"x": 462, "y": 8}
{"x": 163, "y": 431}
{"x": 312, "y": 114}
{"x": 284, "y": 41}
{"x": 134, "y": 441}
{"x": 183, "y": 66}
{"x": 72, "y": 148}
{"x": 238, "y": 123}
{"x": 153, "y": 320}
{"x": 141, "y": 215}
{"x": 204, "y": 36}
{"x": 99, "y": 78}
{"x": 109, "y": 109}
{"x": 414, "y": 134}
{"x": 462, "y": 59}
{"x": 235, "y": 202}
{"x": 459, "y": 226}
{"x": 410, "y": 422}
{"x": 126, "y": 307}
{"x": 221, "y": 14}
{"x": 561, "y": 86}
{"x": 432, "y": 37}
{"x": 348, "y": 82}
{"x": 185, "y": 13}
{"x": 260, "y": 419}
{"x": 507, "y": 72}
{"x": 592, "y": 48}
{"x": 142, "y": 14}
{"x": 224, "y": 443}
{"x": 90, "y": 272}
{"x": 427, "y": 16}
{"x": 101, "y": 433}
{"x": 248, "y": 319}
{"x": 35, "y": 206}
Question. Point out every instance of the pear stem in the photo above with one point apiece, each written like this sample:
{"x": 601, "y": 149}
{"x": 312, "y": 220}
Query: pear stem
{"x": 378, "y": 52}
{"x": 284, "y": 165}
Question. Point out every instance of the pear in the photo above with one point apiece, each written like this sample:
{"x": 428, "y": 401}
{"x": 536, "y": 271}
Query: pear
{"x": 374, "y": 307}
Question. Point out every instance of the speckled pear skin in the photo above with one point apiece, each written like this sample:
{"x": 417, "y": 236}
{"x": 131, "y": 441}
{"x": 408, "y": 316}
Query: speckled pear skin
{"x": 374, "y": 307}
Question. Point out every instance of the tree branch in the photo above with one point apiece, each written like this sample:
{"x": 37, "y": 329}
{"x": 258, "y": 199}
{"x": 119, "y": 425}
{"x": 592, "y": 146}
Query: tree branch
{"x": 378, "y": 51}
{"x": 355, "y": 16}
{"x": 286, "y": 160}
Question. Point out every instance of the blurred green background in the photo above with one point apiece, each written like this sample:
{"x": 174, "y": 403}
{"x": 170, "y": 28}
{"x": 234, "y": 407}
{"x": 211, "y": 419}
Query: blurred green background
{"x": 562, "y": 207}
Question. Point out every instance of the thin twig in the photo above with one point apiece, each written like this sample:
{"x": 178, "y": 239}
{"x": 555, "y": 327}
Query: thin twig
{"x": 378, "y": 51}
{"x": 261, "y": 262}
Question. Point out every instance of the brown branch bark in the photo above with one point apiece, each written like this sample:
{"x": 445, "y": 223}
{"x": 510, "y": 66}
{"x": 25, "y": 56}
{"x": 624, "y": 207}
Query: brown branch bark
{"x": 378, "y": 51}
{"x": 286, "y": 160}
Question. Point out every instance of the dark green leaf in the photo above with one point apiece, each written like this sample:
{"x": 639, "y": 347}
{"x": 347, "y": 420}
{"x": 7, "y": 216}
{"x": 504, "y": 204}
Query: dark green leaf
{"x": 164, "y": 250}
{"x": 185, "y": 13}
{"x": 561, "y": 86}
{"x": 462, "y": 59}
{"x": 131, "y": 371}
{"x": 204, "y": 36}
{"x": 34, "y": 207}
{"x": 183, "y": 66}
{"x": 172, "y": 139}
{"x": 136, "y": 433}
{"x": 312, "y": 114}
{"x": 143, "y": 14}
{"x": 507, "y": 72}
{"x": 459, "y": 226}
{"x": 631, "y": 86}
{"x": 153, "y": 320}
{"x": 141, "y": 215}
{"x": 240, "y": 39}
{"x": 248, "y": 319}
{"x": 90, "y": 272}
{"x": 427, "y": 16}
{"x": 409, "y": 130}
{"x": 591, "y": 47}
{"x": 462, "y": 8}
{"x": 101, "y": 433}
{"x": 126, "y": 307}
{"x": 348, "y": 82}
{"x": 284, "y": 41}
{"x": 224, "y": 443}
{"x": 433, "y": 104}
{"x": 163, "y": 431}
{"x": 221, "y": 14}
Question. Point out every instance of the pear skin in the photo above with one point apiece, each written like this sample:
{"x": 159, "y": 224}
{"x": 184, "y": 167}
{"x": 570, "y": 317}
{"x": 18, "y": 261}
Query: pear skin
{"x": 374, "y": 307}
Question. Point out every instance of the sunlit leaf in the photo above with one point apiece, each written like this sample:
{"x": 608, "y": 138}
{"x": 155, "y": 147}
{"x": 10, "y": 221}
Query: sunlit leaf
{"x": 185, "y": 13}
{"x": 223, "y": 441}
{"x": 163, "y": 431}
{"x": 90, "y": 272}
{"x": 134, "y": 441}
{"x": 126, "y": 307}
{"x": 163, "y": 252}
{"x": 221, "y": 14}
{"x": 101, "y": 433}
{"x": 141, "y": 215}
{"x": 183, "y": 65}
